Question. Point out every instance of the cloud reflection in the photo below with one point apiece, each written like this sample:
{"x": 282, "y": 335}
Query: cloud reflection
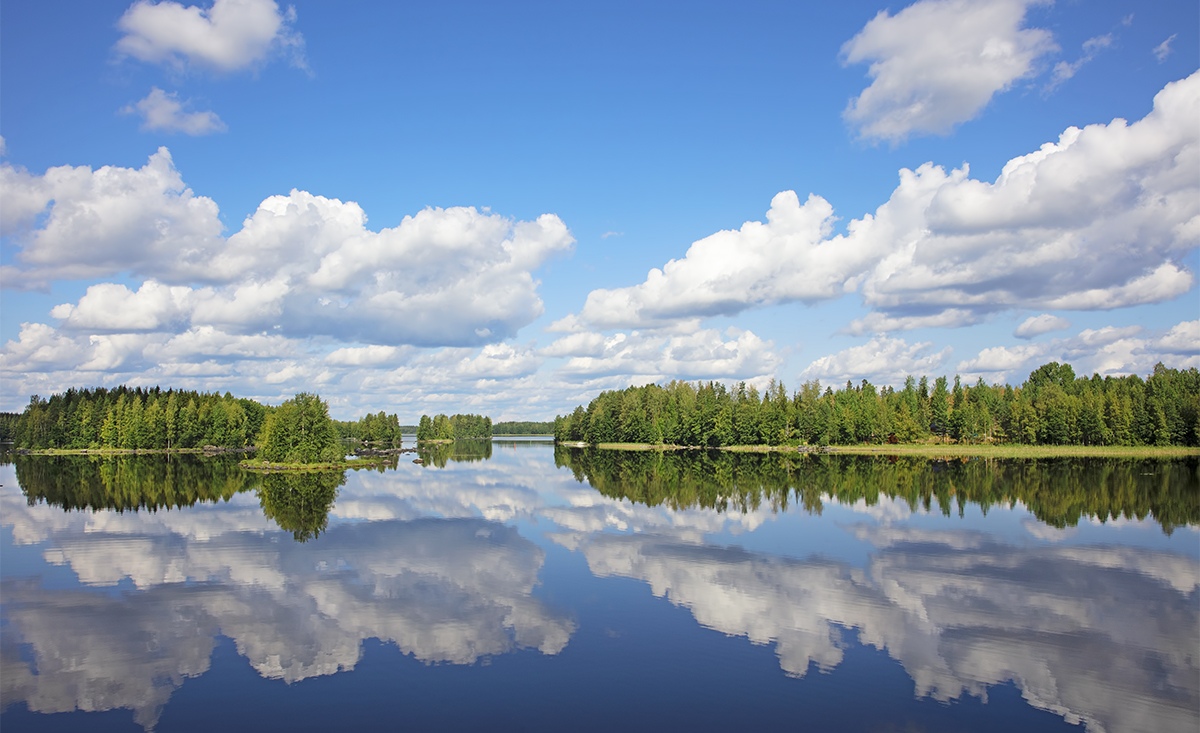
{"x": 1106, "y": 636}
{"x": 442, "y": 590}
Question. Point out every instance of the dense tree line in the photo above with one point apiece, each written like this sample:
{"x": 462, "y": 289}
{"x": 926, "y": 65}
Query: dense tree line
{"x": 299, "y": 430}
{"x": 1058, "y": 492}
{"x": 1052, "y": 407}
{"x": 455, "y": 427}
{"x": 514, "y": 427}
{"x": 379, "y": 428}
{"x": 124, "y": 417}
{"x": 8, "y": 426}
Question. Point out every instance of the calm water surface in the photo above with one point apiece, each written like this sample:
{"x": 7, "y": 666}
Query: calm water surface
{"x": 510, "y": 586}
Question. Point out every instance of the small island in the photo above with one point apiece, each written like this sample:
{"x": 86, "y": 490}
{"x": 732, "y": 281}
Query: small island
{"x": 299, "y": 435}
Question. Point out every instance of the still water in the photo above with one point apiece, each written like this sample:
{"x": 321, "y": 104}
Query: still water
{"x": 513, "y": 586}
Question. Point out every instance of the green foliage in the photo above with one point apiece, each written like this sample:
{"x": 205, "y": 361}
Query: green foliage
{"x": 377, "y": 429}
{"x": 135, "y": 419}
{"x": 458, "y": 427}
{"x": 460, "y": 451}
{"x": 129, "y": 483}
{"x": 299, "y": 501}
{"x": 300, "y": 431}
{"x": 1060, "y": 492}
{"x": 1053, "y": 407}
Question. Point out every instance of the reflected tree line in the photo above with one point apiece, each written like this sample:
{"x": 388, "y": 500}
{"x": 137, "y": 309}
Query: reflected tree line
{"x": 465, "y": 451}
{"x": 1052, "y": 407}
{"x": 1059, "y": 491}
{"x": 130, "y": 483}
{"x": 298, "y": 501}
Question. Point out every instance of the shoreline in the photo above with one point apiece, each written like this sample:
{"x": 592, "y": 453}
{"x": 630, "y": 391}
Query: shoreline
{"x": 930, "y": 450}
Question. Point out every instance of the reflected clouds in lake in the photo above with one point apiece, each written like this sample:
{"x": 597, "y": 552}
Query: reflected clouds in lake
{"x": 1106, "y": 636}
{"x": 444, "y": 591}
{"x": 445, "y": 562}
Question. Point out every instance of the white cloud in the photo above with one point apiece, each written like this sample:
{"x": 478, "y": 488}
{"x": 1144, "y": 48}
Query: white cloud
{"x": 1110, "y": 350}
{"x": 40, "y": 347}
{"x": 1095, "y": 221}
{"x": 111, "y": 220}
{"x": 1005, "y": 360}
{"x": 365, "y": 355}
{"x": 110, "y": 307}
{"x": 1163, "y": 50}
{"x": 1040, "y": 324}
{"x": 1100, "y": 219}
{"x": 881, "y": 360}
{"x": 163, "y": 112}
{"x": 1065, "y": 70}
{"x": 882, "y": 323}
{"x": 230, "y": 35}
{"x": 301, "y": 264}
{"x": 702, "y": 354}
{"x": 498, "y": 361}
{"x": 785, "y": 259}
{"x": 1183, "y": 338}
{"x": 937, "y": 63}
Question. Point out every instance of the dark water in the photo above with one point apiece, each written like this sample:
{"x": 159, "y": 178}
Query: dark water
{"x": 510, "y": 586}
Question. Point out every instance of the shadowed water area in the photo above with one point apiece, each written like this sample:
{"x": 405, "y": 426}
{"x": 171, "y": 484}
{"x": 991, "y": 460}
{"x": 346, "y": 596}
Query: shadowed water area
{"x": 513, "y": 585}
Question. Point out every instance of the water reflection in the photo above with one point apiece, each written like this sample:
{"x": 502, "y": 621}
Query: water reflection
{"x": 445, "y": 565}
{"x": 1106, "y": 636}
{"x": 1059, "y": 492}
{"x": 439, "y": 454}
{"x": 299, "y": 502}
{"x": 130, "y": 482}
{"x": 451, "y": 591}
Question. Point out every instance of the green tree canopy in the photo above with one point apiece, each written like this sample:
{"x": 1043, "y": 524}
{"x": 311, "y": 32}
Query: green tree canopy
{"x": 300, "y": 431}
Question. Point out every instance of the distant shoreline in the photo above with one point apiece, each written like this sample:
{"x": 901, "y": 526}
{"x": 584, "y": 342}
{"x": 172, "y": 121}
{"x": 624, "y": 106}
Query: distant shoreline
{"x": 932, "y": 450}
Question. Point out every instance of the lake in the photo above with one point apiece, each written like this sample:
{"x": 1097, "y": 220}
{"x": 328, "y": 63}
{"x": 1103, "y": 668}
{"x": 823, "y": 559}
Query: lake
{"x": 515, "y": 586}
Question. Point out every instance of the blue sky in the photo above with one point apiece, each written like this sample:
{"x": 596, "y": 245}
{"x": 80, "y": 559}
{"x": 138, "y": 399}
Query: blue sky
{"x": 475, "y": 207}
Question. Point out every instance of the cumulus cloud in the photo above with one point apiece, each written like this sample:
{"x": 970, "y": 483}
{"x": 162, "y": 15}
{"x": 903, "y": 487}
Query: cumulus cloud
{"x": 785, "y": 259}
{"x": 230, "y": 35}
{"x": 110, "y": 220}
{"x": 702, "y": 354}
{"x": 938, "y": 63}
{"x": 1183, "y": 338}
{"x": 1110, "y": 350}
{"x": 113, "y": 307}
{"x": 1037, "y": 325}
{"x": 163, "y": 112}
{"x": 882, "y": 360}
{"x": 301, "y": 264}
{"x": 1100, "y": 219}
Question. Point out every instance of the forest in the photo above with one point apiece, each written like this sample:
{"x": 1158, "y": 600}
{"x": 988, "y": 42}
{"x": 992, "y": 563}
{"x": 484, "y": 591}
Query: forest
{"x": 455, "y": 427}
{"x": 125, "y": 418}
{"x": 1052, "y": 407}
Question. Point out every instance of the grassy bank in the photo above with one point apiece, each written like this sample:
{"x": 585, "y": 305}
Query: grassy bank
{"x": 948, "y": 450}
{"x": 130, "y": 451}
{"x": 269, "y": 467}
